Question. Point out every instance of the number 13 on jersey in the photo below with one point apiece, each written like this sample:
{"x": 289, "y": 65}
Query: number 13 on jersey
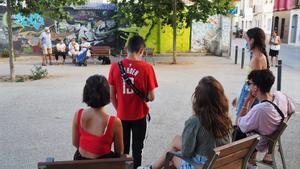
{"x": 128, "y": 90}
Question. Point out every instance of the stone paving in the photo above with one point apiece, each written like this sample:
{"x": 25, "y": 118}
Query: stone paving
{"x": 36, "y": 116}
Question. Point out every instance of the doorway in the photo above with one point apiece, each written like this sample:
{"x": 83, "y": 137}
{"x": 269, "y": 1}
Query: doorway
{"x": 294, "y": 28}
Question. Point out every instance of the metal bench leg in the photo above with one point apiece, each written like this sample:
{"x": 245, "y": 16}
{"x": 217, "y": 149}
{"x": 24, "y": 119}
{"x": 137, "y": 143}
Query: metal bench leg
{"x": 274, "y": 166}
{"x": 281, "y": 154}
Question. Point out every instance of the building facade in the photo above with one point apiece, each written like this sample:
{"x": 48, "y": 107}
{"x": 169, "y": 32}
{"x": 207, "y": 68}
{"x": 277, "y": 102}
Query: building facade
{"x": 286, "y": 20}
{"x": 263, "y": 14}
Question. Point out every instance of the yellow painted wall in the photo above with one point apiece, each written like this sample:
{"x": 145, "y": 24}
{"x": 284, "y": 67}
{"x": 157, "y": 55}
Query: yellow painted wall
{"x": 165, "y": 35}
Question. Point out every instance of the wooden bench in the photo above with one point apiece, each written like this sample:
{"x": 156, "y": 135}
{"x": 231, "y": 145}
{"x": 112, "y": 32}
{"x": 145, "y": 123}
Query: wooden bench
{"x": 148, "y": 53}
{"x": 109, "y": 163}
{"x": 102, "y": 52}
{"x": 230, "y": 156}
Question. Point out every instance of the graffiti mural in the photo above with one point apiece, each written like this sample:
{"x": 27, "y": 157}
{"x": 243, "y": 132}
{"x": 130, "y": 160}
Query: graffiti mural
{"x": 35, "y": 20}
{"x": 92, "y": 21}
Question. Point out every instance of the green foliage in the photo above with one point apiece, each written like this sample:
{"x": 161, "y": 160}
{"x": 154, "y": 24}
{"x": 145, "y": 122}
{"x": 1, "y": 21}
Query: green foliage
{"x": 38, "y": 73}
{"x": 5, "y": 53}
{"x": 144, "y": 12}
{"x": 51, "y": 8}
{"x": 27, "y": 50}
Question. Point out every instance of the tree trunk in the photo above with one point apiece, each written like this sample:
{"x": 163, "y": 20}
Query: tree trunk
{"x": 174, "y": 32}
{"x": 10, "y": 42}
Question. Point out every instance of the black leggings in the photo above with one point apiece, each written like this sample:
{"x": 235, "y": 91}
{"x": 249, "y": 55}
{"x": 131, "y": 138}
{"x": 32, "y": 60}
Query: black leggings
{"x": 63, "y": 54}
{"x": 138, "y": 129}
{"x": 78, "y": 156}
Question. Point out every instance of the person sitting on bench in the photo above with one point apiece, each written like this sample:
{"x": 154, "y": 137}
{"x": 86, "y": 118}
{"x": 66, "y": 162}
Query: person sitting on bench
{"x": 208, "y": 127}
{"x": 265, "y": 117}
{"x": 73, "y": 49}
{"x": 61, "y": 50}
{"x": 94, "y": 131}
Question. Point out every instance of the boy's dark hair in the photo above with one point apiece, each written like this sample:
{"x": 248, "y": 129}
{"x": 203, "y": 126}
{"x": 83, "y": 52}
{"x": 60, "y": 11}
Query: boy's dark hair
{"x": 96, "y": 91}
{"x": 135, "y": 43}
{"x": 263, "y": 79}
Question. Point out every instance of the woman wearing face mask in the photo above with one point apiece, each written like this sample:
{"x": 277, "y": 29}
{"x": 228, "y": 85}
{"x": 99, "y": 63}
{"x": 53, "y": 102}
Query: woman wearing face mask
{"x": 256, "y": 41}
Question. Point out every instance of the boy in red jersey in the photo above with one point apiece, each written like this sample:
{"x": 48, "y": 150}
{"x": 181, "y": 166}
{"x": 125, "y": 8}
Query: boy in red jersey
{"x": 131, "y": 108}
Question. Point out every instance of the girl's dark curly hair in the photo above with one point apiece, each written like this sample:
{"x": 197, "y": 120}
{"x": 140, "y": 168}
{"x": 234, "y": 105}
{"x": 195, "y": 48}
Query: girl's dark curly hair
{"x": 211, "y": 105}
{"x": 96, "y": 91}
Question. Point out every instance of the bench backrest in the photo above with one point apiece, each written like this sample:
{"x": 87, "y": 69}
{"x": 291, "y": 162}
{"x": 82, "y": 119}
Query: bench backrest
{"x": 234, "y": 155}
{"x": 109, "y": 163}
{"x": 147, "y": 52}
{"x": 100, "y": 50}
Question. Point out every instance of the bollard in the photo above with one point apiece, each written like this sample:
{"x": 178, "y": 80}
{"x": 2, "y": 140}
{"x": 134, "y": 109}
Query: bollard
{"x": 236, "y": 54}
{"x": 279, "y": 70}
{"x": 243, "y": 58}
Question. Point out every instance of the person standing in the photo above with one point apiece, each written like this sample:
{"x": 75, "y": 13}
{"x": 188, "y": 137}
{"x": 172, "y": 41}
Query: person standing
{"x": 255, "y": 39}
{"x": 274, "y": 48}
{"x": 131, "y": 108}
{"x": 60, "y": 50}
{"x": 46, "y": 44}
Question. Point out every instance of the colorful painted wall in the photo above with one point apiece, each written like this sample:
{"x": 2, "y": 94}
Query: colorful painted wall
{"x": 93, "y": 21}
{"x": 161, "y": 39}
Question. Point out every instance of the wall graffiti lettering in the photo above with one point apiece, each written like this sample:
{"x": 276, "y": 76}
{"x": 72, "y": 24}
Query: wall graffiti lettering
{"x": 35, "y": 20}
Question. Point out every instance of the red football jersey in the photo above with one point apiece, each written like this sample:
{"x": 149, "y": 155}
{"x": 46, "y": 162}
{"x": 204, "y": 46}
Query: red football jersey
{"x": 141, "y": 73}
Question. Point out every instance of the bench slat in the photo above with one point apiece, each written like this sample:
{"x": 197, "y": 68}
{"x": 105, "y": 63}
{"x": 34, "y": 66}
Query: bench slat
{"x": 111, "y": 163}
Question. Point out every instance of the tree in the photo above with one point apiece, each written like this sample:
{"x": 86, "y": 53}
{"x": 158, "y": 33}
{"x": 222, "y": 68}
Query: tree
{"x": 51, "y": 8}
{"x": 150, "y": 12}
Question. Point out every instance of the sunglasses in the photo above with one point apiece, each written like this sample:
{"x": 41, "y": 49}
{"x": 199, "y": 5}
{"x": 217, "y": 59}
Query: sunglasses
{"x": 249, "y": 83}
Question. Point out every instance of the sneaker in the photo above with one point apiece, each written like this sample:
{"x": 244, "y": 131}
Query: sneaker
{"x": 145, "y": 167}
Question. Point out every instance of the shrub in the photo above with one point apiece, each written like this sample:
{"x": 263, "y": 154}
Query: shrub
{"x": 5, "y": 53}
{"x": 38, "y": 73}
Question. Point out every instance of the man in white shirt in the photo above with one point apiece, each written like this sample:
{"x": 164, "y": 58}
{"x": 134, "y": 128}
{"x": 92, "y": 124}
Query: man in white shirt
{"x": 85, "y": 45}
{"x": 73, "y": 49}
{"x": 60, "y": 50}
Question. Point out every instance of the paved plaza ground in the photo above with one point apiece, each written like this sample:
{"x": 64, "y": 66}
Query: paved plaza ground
{"x": 36, "y": 116}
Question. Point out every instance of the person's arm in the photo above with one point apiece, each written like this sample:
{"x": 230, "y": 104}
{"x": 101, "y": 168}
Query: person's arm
{"x": 58, "y": 48}
{"x": 151, "y": 95}
{"x": 250, "y": 121}
{"x": 247, "y": 104}
{"x": 152, "y": 83}
{"x": 279, "y": 40}
{"x": 118, "y": 137}
{"x": 113, "y": 96}
{"x": 189, "y": 137}
{"x": 75, "y": 134}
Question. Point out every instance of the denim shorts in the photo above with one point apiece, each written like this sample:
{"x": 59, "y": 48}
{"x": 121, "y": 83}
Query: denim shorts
{"x": 197, "y": 159}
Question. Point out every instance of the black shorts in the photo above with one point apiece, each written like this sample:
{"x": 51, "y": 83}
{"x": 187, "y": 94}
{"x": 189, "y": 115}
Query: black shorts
{"x": 273, "y": 53}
